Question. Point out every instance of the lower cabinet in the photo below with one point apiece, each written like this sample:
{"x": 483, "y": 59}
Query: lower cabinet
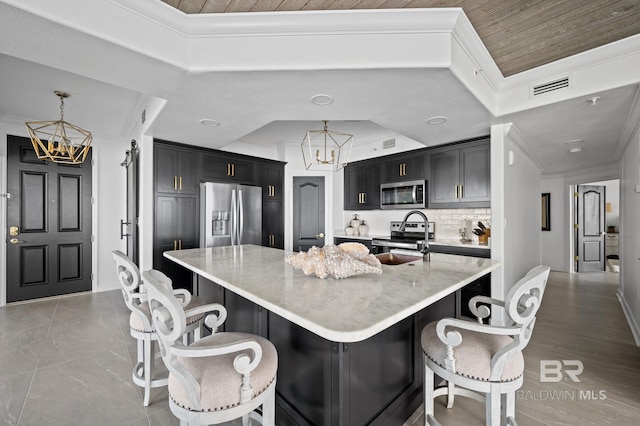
{"x": 480, "y": 287}
{"x": 374, "y": 381}
{"x": 272, "y": 224}
{"x": 175, "y": 228}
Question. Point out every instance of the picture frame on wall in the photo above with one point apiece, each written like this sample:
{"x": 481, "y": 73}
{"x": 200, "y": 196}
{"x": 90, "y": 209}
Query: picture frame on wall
{"x": 546, "y": 209}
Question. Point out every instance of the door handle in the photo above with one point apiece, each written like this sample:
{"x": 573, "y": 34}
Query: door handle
{"x": 15, "y": 241}
{"x": 320, "y": 235}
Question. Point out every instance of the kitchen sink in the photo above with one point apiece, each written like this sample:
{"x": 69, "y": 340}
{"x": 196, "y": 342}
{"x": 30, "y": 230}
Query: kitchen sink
{"x": 396, "y": 259}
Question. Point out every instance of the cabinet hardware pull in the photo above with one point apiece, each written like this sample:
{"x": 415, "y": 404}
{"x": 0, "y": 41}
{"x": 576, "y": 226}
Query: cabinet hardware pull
{"x": 364, "y": 198}
{"x": 175, "y": 245}
{"x": 180, "y": 185}
{"x": 233, "y": 169}
{"x": 175, "y": 182}
{"x": 179, "y": 244}
{"x": 461, "y": 191}
{"x": 400, "y": 166}
{"x": 228, "y": 169}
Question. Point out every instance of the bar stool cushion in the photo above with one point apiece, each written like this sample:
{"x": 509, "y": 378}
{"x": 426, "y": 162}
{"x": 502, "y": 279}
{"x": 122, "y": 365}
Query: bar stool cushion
{"x": 136, "y": 323}
{"x": 220, "y": 383}
{"x": 473, "y": 355}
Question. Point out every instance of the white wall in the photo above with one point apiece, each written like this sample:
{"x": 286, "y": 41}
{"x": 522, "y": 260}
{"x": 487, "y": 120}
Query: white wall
{"x": 629, "y": 291}
{"x": 108, "y": 188}
{"x": 554, "y": 245}
{"x": 515, "y": 203}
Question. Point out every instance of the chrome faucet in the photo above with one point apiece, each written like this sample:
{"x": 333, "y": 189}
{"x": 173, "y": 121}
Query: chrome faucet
{"x": 422, "y": 245}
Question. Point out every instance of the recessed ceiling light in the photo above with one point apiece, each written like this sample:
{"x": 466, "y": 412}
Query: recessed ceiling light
{"x": 575, "y": 149}
{"x": 322, "y": 100}
{"x": 209, "y": 122}
{"x": 437, "y": 120}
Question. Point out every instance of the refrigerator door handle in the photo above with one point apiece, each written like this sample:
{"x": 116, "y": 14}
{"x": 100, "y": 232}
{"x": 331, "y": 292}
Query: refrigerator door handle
{"x": 241, "y": 217}
{"x": 234, "y": 212}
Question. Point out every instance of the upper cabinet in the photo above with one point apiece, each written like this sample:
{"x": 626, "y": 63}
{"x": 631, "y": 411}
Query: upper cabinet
{"x": 271, "y": 178}
{"x": 227, "y": 168}
{"x": 460, "y": 175}
{"x": 404, "y": 167}
{"x": 362, "y": 185}
{"x": 175, "y": 170}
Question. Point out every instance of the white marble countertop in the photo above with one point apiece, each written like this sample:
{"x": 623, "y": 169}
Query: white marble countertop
{"x": 346, "y": 310}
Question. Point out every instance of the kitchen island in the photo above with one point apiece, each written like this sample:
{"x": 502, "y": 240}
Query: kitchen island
{"x": 349, "y": 350}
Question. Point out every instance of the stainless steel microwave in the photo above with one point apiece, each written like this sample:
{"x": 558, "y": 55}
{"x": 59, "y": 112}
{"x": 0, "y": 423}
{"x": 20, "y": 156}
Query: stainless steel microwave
{"x": 403, "y": 195}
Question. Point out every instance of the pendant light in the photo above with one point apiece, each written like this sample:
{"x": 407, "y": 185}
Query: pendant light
{"x": 325, "y": 149}
{"x": 59, "y": 141}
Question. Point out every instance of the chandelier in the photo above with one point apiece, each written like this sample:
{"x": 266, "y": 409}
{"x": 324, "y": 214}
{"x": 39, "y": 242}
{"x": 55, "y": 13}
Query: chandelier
{"x": 59, "y": 141}
{"x": 326, "y": 150}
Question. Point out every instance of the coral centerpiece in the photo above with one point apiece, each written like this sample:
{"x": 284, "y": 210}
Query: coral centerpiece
{"x": 341, "y": 261}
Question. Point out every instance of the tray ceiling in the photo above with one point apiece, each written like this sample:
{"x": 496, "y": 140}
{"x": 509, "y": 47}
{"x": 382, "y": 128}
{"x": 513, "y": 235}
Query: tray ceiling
{"x": 519, "y": 35}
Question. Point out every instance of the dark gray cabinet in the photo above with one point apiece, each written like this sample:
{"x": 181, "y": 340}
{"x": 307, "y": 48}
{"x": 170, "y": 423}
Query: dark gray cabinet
{"x": 408, "y": 166}
{"x": 479, "y": 287}
{"x": 362, "y": 185}
{"x": 175, "y": 208}
{"x": 227, "y": 168}
{"x": 271, "y": 179}
{"x": 460, "y": 175}
{"x": 175, "y": 171}
{"x": 377, "y": 381}
{"x": 178, "y": 169}
{"x": 175, "y": 228}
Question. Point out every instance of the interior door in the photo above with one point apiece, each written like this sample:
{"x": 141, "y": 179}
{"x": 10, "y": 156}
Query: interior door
{"x": 49, "y": 219}
{"x": 591, "y": 228}
{"x": 308, "y": 212}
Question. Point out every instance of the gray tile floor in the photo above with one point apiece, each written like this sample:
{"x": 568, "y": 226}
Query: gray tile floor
{"x": 68, "y": 362}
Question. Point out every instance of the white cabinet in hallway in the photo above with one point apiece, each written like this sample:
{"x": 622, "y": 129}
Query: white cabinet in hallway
{"x": 611, "y": 244}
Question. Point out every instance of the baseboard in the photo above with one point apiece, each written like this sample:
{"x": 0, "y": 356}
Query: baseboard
{"x": 635, "y": 330}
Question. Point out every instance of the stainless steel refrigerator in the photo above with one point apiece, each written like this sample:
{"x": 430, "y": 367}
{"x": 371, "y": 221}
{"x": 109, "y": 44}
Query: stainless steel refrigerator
{"x": 230, "y": 214}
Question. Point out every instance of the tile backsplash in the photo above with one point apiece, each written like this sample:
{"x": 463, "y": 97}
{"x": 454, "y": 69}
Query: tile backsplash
{"x": 447, "y": 221}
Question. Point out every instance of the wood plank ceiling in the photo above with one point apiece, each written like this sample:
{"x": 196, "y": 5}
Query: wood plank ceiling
{"x": 519, "y": 34}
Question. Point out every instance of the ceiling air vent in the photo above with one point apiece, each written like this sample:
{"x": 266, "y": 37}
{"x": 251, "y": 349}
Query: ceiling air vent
{"x": 388, "y": 143}
{"x": 551, "y": 86}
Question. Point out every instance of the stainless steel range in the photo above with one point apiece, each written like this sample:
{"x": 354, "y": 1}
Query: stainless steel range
{"x": 407, "y": 239}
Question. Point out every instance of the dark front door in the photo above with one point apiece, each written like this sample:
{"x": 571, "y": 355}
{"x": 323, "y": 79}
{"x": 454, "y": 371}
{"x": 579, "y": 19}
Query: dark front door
{"x": 49, "y": 219}
{"x": 590, "y": 230}
{"x": 308, "y": 212}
